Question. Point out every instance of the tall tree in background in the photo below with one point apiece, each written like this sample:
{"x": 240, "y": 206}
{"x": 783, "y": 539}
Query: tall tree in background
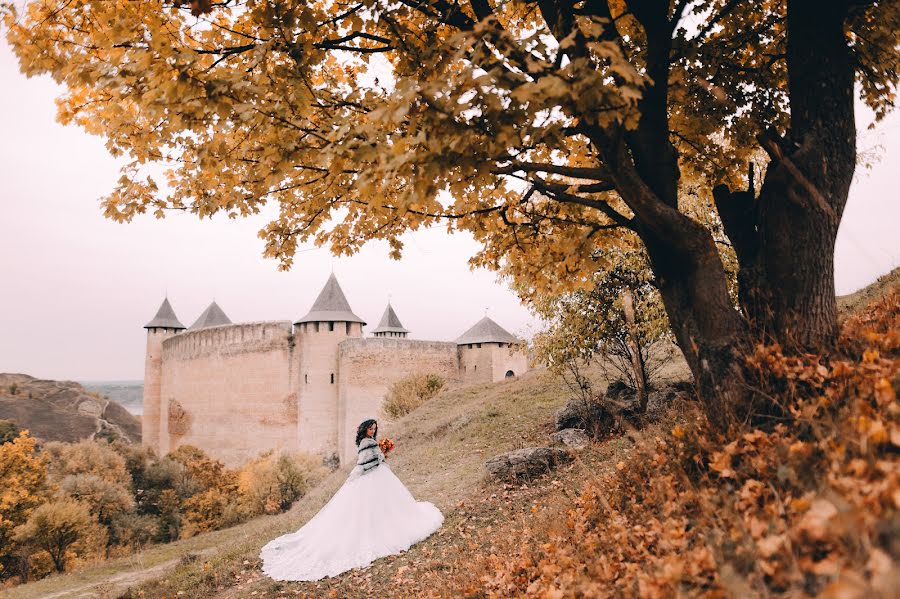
{"x": 554, "y": 125}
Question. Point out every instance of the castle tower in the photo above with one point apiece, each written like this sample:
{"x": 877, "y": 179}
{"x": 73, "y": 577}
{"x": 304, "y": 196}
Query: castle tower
{"x": 164, "y": 325}
{"x": 390, "y": 325}
{"x": 489, "y": 353}
{"x": 318, "y": 334}
{"x": 213, "y": 316}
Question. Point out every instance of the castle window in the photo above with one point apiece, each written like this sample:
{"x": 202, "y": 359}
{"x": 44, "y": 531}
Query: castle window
{"x": 330, "y": 326}
{"x": 306, "y": 379}
{"x": 317, "y": 327}
{"x": 475, "y": 368}
{"x": 478, "y": 345}
{"x": 510, "y": 374}
{"x": 332, "y": 378}
{"x": 470, "y": 346}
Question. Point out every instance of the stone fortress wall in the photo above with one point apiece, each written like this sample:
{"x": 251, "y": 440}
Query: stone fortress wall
{"x": 229, "y": 390}
{"x": 238, "y": 390}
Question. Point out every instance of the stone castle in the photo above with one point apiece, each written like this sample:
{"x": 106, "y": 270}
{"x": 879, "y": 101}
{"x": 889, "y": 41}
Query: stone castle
{"x": 236, "y": 390}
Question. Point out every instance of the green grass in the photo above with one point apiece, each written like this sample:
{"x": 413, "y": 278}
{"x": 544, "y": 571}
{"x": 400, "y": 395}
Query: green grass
{"x": 440, "y": 455}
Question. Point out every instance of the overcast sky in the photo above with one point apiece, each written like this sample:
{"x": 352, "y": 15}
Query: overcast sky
{"x": 75, "y": 288}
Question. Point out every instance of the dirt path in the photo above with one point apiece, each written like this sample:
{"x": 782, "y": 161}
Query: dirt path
{"x": 119, "y": 583}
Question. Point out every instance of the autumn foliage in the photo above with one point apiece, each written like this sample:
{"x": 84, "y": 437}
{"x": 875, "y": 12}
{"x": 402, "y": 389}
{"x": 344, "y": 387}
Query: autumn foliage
{"x": 66, "y": 504}
{"x": 553, "y": 132}
{"x": 806, "y": 506}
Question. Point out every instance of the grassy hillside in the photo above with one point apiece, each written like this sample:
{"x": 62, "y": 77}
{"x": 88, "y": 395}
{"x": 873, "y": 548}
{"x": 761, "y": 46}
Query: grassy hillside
{"x": 441, "y": 449}
{"x": 854, "y": 302}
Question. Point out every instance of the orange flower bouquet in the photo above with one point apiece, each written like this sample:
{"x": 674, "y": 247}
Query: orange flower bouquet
{"x": 386, "y": 446}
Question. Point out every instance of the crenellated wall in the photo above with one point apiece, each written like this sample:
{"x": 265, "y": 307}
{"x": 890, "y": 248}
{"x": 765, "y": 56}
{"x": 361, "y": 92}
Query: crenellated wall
{"x": 229, "y": 390}
{"x": 239, "y": 390}
{"x": 368, "y": 367}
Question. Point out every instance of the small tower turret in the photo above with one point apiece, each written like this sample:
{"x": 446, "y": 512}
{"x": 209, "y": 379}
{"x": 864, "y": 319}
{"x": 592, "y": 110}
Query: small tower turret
{"x": 318, "y": 334}
{"x": 164, "y": 325}
{"x": 390, "y": 325}
{"x": 489, "y": 353}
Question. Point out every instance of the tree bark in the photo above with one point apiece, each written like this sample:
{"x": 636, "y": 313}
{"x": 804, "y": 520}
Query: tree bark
{"x": 784, "y": 240}
{"x": 799, "y": 219}
{"x": 710, "y": 332}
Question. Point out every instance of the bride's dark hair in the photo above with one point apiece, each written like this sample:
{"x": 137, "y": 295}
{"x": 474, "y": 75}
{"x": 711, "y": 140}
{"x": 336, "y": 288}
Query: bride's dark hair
{"x": 361, "y": 430}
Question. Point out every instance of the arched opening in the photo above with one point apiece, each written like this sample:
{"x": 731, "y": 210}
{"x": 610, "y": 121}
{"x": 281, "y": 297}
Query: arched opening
{"x": 510, "y": 374}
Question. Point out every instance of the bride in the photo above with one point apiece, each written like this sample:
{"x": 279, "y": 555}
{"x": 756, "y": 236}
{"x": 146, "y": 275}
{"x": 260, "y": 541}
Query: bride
{"x": 371, "y": 516}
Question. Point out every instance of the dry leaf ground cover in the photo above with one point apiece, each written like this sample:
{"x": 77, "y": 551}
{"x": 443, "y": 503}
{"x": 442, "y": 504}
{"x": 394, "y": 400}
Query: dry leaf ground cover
{"x": 806, "y": 505}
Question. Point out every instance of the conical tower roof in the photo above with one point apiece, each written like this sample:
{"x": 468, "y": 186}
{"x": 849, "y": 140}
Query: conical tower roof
{"x": 165, "y": 318}
{"x": 331, "y": 305}
{"x": 213, "y": 316}
{"x": 390, "y": 323}
{"x": 486, "y": 331}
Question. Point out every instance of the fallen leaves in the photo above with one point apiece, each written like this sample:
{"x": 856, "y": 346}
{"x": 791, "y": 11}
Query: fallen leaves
{"x": 807, "y": 506}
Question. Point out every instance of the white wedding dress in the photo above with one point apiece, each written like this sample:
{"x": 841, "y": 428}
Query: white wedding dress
{"x": 372, "y": 515}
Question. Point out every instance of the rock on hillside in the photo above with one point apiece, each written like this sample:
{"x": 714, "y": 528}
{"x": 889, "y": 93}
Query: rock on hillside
{"x": 63, "y": 410}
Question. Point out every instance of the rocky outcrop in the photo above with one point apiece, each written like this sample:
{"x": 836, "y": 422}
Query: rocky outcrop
{"x": 63, "y": 410}
{"x": 573, "y": 438}
{"x": 619, "y": 405}
{"x": 526, "y": 463}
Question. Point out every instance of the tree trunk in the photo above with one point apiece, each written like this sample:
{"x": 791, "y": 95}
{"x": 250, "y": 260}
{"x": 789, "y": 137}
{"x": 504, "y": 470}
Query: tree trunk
{"x": 708, "y": 329}
{"x": 804, "y": 194}
{"x": 637, "y": 357}
{"x": 784, "y": 240}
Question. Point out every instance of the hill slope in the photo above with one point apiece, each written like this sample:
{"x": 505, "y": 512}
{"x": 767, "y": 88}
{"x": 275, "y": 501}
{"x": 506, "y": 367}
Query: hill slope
{"x": 440, "y": 455}
{"x": 853, "y": 303}
{"x": 63, "y": 410}
{"x": 441, "y": 449}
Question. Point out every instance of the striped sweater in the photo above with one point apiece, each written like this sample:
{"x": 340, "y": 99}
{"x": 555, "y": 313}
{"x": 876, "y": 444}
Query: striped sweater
{"x": 368, "y": 454}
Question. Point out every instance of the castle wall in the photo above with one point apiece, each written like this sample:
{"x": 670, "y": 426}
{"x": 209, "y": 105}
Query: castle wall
{"x": 228, "y": 390}
{"x": 506, "y": 358}
{"x": 318, "y": 382}
{"x": 368, "y": 367}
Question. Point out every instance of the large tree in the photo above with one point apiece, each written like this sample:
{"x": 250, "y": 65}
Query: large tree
{"x": 553, "y": 125}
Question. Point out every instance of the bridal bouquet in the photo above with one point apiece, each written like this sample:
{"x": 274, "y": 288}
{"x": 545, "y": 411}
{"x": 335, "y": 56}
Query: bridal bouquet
{"x": 386, "y": 445}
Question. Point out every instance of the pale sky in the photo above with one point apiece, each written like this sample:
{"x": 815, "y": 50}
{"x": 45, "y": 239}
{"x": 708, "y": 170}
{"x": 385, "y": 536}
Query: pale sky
{"x": 76, "y": 289}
